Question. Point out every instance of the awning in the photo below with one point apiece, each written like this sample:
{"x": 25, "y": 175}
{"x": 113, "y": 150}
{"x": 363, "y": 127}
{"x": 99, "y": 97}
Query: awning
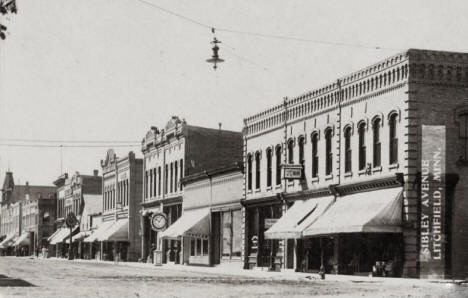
{"x": 53, "y": 235}
{"x": 63, "y": 234}
{"x": 297, "y": 218}
{"x": 22, "y": 240}
{"x": 192, "y": 223}
{"x": 81, "y": 235}
{"x": 118, "y": 231}
{"x": 378, "y": 211}
{"x": 8, "y": 240}
{"x": 99, "y": 231}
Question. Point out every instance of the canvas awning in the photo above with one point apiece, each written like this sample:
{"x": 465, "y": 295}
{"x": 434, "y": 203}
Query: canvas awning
{"x": 192, "y": 223}
{"x": 9, "y": 239}
{"x": 53, "y": 235}
{"x": 99, "y": 231}
{"x": 378, "y": 211}
{"x": 118, "y": 231}
{"x": 23, "y": 239}
{"x": 81, "y": 235}
{"x": 63, "y": 234}
{"x": 297, "y": 218}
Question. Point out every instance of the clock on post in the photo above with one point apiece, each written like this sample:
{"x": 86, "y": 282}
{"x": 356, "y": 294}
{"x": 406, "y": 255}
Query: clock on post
{"x": 158, "y": 221}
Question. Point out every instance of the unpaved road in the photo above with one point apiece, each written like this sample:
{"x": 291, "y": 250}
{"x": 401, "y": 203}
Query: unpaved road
{"x": 23, "y": 277}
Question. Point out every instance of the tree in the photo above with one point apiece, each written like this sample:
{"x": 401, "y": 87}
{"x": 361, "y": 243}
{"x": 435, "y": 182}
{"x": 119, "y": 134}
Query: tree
{"x": 6, "y": 6}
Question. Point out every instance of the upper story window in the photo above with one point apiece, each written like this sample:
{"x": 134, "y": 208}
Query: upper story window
{"x": 463, "y": 134}
{"x": 291, "y": 151}
{"x": 315, "y": 158}
{"x": 348, "y": 151}
{"x": 376, "y": 142}
{"x": 249, "y": 172}
{"x": 159, "y": 181}
{"x": 328, "y": 152}
{"x": 393, "y": 142}
{"x": 301, "y": 153}
{"x": 278, "y": 164}
{"x": 257, "y": 170}
{"x": 181, "y": 165}
{"x": 362, "y": 145}
{"x": 269, "y": 169}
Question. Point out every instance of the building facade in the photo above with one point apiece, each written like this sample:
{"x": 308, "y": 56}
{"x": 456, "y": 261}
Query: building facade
{"x": 72, "y": 192}
{"x": 365, "y": 173}
{"x": 210, "y": 226}
{"x": 118, "y": 236}
{"x": 27, "y": 216}
{"x": 171, "y": 154}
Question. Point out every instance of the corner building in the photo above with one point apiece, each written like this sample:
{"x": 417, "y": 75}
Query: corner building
{"x": 383, "y": 159}
{"x": 170, "y": 154}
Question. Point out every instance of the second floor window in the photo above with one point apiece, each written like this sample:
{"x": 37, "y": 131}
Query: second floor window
{"x": 257, "y": 170}
{"x": 328, "y": 152}
{"x": 301, "y": 154}
{"x": 269, "y": 170}
{"x": 278, "y": 165}
{"x": 249, "y": 172}
{"x": 376, "y": 142}
{"x": 392, "y": 123}
{"x": 291, "y": 151}
{"x": 463, "y": 135}
{"x": 362, "y": 146}
{"x": 315, "y": 158}
{"x": 348, "y": 152}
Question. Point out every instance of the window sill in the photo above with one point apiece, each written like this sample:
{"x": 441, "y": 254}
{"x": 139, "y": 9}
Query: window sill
{"x": 315, "y": 179}
{"x": 377, "y": 169}
{"x": 278, "y": 186}
{"x": 329, "y": 177}
{"x": 249, "y": 191}
{"x": 394, "y": 166}
{"x": 362, "y": 172}
{"x": 348, "y": 174}
{"x": 268, "y": 188}
{"x": 257, "y": 190}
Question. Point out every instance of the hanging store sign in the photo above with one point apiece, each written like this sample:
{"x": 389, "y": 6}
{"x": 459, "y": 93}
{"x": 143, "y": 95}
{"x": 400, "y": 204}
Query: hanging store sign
{"x": 432, "y": 202}
{"x": 292, "y": 171}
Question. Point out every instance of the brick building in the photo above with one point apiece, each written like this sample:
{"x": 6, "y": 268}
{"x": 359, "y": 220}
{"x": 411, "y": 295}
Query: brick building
{"x": 72, "y": 192}
{"x": 118, "y": 233}
{"x": 379, "y": 160}
{"x": 175, "y": 152}
{"x": 27, "y": 216}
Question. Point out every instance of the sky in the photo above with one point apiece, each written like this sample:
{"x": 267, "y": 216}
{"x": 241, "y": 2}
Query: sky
{"x": 108, "y": 70}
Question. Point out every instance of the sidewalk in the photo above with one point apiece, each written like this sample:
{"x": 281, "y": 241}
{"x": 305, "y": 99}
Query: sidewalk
{"x": 285, "y": 274}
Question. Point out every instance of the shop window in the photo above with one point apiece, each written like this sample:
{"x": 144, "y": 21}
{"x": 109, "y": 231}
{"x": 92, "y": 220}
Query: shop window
{"x": 205, "y": 247}
{"x": 269, "y": 161}
{"x": 192, "y": 246}
{"x": 291, "y": 151}
{"x": 362, "y": 145}
{"x": 328, "y": 152}
{"x": 257, "y": 170}
{"x": 199, "y": 246}
{"x": 315, "y": 158}
{"x": 376, "y": 142}
{"x": 232, "y": 237}
{"x": 393, "y": 139}
{"x": 348, "y": 151}
{"x": 463, "y": 134}
{"x": 278, "y": 165}
{"x": 249, "y": 172}
{"x": 301, "y": 154}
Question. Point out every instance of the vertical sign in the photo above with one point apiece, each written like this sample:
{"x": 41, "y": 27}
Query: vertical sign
{"x": 432, "y": 237}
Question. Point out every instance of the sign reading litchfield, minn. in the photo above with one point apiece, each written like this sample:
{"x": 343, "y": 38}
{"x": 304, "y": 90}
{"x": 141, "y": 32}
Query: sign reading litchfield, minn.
{"x": 432, "y": 236}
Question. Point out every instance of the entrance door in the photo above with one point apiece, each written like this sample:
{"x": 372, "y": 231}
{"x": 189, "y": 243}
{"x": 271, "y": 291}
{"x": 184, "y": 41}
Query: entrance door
{"x": 216, "y": 237}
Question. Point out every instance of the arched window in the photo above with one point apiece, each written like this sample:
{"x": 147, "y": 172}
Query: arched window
{"x": 315, "y": 160}
{"x": 301, "y": 154}
{"x": 463, "y": 134}
{"x": 392, "y": 123}
{"x": 278, "y": 165}
{"x": 348, "y": 152}
{"x": 362, "y": 145}
{"x": 291, "y": 151}
{"x": 269, "y": 162}
{"x": 328, "y": 152}
{"x": 257, "y": 170}
{"x": 376, "y": 142}
{"x": 249, "y": 172}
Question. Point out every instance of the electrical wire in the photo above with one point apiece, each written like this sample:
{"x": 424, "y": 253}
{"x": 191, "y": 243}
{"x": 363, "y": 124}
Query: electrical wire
{"x": 66, "y": 141}
{"x": 263, "y": 35}
{"x": 66, "y": 146}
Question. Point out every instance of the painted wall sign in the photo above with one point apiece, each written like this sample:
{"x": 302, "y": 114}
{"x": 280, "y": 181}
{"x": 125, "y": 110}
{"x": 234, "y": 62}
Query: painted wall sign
{"x": 432, "y": 201}
{"x": 292, "y": 171}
